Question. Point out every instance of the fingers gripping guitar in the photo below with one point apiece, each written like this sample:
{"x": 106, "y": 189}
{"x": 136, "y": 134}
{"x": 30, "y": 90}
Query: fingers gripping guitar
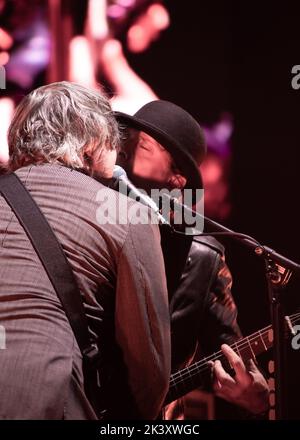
{"x": 247, "y": 383}
{"x": 247, "y": 388}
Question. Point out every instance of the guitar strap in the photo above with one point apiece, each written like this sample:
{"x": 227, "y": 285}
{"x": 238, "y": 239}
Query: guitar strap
{"x": 55, "y": 263}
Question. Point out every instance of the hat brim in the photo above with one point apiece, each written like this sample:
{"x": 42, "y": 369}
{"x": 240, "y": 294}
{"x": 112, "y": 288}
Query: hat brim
{"x": 183, "y": 159}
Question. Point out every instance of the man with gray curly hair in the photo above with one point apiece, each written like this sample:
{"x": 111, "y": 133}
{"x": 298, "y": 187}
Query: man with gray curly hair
{"x": 64, "y": 123}
{"x": 61, "y": 136}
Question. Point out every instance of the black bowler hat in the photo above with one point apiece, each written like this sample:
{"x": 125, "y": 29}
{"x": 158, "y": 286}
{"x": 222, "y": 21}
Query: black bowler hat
{"x": 177, "y": 131}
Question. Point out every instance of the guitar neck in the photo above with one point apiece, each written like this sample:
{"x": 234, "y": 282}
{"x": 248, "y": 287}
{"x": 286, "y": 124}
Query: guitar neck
{"x": 192, "y": 376}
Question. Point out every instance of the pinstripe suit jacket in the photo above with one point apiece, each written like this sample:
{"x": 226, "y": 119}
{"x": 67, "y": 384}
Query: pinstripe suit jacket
{"x": 120, "y": 272}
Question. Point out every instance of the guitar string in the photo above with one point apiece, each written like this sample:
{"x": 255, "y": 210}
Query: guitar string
{"x": 240, "y": 345}
{"x": 202, "y": 364}
{"x": 197, "y": 366}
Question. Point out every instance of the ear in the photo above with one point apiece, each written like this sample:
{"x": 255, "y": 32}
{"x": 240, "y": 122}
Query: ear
{"x": 88, "y": 150}
{"x": 87, "y": 157}
{"x": 178, "y": 181}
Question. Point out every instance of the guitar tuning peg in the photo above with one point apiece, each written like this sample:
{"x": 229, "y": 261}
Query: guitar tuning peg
{"x": 289, "y": 326}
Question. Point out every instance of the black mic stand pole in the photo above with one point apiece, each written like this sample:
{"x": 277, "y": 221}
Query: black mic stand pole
{"x": 278, "y": 272}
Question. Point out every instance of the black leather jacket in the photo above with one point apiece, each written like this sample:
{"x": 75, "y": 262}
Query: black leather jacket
{"x": 201, "y": 305}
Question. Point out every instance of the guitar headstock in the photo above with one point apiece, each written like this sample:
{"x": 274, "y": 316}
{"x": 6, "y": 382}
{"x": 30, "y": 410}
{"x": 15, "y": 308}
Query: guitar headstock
{"x": 290, "y": 322}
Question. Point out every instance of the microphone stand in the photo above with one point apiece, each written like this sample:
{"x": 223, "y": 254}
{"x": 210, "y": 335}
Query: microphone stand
{"x": 278, "y": 270}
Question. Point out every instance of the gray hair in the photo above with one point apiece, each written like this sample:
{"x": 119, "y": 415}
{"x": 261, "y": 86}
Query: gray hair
{"x": 56, "y": 122}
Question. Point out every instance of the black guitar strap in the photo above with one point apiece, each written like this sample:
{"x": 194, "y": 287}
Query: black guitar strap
{"x": 52, "y": 257}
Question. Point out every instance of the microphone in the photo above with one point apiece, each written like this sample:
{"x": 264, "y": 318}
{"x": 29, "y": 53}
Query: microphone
{"x": 123, "y": 185}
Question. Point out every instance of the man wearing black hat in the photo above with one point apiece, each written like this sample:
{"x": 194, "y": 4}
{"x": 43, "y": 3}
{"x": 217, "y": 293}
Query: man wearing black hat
{"x": 163, "y": 148}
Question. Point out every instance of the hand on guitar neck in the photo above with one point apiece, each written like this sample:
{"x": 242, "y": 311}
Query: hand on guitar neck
{"x": 247, "y": 388}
